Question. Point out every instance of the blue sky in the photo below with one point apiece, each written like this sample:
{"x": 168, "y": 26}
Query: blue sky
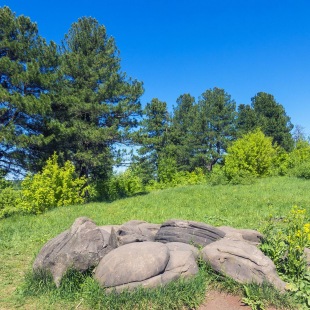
{"x": 177, "y": 47}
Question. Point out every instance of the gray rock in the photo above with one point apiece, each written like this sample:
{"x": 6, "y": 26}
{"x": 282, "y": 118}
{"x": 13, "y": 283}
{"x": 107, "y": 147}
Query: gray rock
{"x": 181, "y": 263}
{"x": 179, "y": 246}
{"x": 134, "y": 262}
{"x": 146, "y": 264}
{"x": 189, "y": 232}
{"x": 81, "y": 248}
{"x": 108, "y": 228}
{"x": 242, "y": 261}
{"x": 133, "y": 231}
{"x": 252, "y": 236}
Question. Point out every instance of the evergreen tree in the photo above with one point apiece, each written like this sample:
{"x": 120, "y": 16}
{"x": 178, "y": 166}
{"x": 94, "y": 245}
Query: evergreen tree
{"x": 27, "y": 66}
{"x": 215, "y": 126}
{"x": 270, "y": 116}
{"x": 153, "y": 138}
{"x": 247, "y": 120}
{"x": 94, "y": 105}
{"x": 182, "y": 135}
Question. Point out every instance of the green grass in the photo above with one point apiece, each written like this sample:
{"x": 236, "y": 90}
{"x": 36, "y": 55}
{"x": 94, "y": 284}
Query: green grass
{"x": 240, "y": 206}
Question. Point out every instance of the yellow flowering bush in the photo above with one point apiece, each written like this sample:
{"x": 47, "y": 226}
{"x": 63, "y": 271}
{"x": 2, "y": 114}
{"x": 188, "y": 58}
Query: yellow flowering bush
{"x": 53, "y": 187}
{"x": 285, "y": 243}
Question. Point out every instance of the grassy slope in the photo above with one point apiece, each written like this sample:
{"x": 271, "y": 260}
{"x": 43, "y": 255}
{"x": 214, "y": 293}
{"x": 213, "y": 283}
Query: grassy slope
{"x": 243, "y": 206}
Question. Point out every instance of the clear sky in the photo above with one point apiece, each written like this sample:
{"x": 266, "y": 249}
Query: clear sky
{"x": 188, "y": 46}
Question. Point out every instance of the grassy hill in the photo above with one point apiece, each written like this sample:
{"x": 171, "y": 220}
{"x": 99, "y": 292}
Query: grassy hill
{"x": 240, "y": 206}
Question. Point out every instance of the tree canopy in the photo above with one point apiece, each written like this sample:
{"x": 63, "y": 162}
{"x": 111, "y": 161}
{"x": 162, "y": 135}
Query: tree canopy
{"x": 26, "y": 74}
{"x": 74, "y": 100}
{"x": 268, "y": 115}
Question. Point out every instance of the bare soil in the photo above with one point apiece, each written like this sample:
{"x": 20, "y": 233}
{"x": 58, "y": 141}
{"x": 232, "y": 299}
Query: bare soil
{"x": 222, "y": 301}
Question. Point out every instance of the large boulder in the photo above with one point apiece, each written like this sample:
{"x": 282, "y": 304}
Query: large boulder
{"x": 81, "y": 248}
{"x": 146, "y": 264}
{"x": 249, "y": 235}
{"x": 133, "y": 231}
{"x": 108, "y": 228}
{"x": 242, "y": 261}
{"x": 179, "y": 246}
{"x": 189, "y": 232}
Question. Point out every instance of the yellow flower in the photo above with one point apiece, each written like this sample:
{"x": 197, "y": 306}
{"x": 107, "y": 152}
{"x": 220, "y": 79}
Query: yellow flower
{"x": 307, "y": 228}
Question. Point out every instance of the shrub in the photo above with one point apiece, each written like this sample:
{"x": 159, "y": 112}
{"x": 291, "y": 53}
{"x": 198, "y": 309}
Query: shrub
{"x": 179, "y": 178}
{"x": 252, "y": 155}
{"x": 53, "y": 187}
{"x": 284, "y": 243}
{"x": 303, "y": 170}
{"x": 125, "y": 184}
{"x": 8, "y": 201}
{"x": 8, "y": 196}
{"x": 217, "y": 176}
{"x": 300, "y": 154}
{"x": 299, "y": 160}
{"x": 167, "y": 170}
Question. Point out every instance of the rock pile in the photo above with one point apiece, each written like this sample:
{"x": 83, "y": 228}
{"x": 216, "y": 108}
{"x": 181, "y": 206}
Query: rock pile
{"x": 138, "y": 253}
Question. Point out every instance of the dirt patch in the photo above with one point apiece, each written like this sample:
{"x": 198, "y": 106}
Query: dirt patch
{"x": 222, "y": 301}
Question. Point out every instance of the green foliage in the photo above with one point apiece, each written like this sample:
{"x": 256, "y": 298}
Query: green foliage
{"x": 167, "y": 170}
{"x": 217, "y": 176}
{"x": 125, "y": 184}
{"x": 299, "y": 160}
{"x": 215, "y": 126}
{"x": 82, "y": 288}
{"x": 72, "y": 99}
{"x": 182, "y": 134}
{"x": 95, "y": 105}
{"x": 280, "y": 162}
{"x": 284, "y": 243}
{"x": 264, "y": 296}
{"x": 202, "y": 131}
{"x": 240, "y": 206}
{"x": 252, "y": 300}
{"x": 153, "y": 137}
{"x": 9, "y": 198}
{"x": 172, "y": 178}
{"x": 55, "y": 186}
{"x": 250, "y": 156}
{"x": 268, "y": 115}
{"x": 303, "y": 170}
{"x": 26, "y": 73}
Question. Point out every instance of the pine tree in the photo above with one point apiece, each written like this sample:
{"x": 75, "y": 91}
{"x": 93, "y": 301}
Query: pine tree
{"x": 268, "y": 115}
{"x": 215, "y": 126}
{"x": 154, "y": 139}
{"x": 27, "y": 66}
{"x": 94, "y": 105}
{"x": 182, "y": 135}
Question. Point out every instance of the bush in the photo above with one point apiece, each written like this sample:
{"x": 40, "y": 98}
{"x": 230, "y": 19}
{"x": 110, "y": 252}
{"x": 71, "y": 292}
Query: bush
{"x": 300, "y": 154}
{"x": 303, "y": 170}
{"x": 125, "y": 184}
{"x": 217, "y": 176}
{"x": 284, "y": 242}
{"x": 250, "y": 156}
{"x": 179, "y": 178}
{"x": 9, "y": 198}
{"x": 53, "y": 187}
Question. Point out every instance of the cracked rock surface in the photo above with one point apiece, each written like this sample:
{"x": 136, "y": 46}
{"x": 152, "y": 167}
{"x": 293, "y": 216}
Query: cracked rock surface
{"x": 80, "y": 247}
{"x": 242, "y": 261}
{"x": 190, "y": 232}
